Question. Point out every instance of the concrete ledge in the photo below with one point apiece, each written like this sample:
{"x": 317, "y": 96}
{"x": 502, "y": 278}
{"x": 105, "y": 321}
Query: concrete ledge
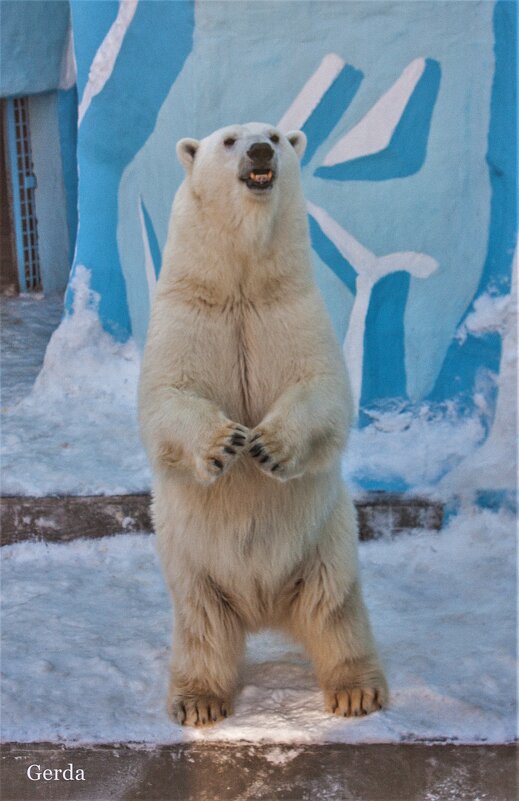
{"x": 59, "y": 518}
{"x": 223, "y": 772}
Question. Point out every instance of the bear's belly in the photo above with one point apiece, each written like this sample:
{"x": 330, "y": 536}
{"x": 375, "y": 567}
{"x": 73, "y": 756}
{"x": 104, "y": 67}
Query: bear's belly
{"x": 245, "y": 525}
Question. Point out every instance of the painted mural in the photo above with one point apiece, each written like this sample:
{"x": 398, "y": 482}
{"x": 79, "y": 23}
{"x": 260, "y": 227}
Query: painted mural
{"x": 409, "y": 172}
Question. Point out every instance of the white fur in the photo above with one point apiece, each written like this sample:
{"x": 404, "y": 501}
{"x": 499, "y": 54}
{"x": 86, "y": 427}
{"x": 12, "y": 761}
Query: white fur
{"x": 240, "y": 350}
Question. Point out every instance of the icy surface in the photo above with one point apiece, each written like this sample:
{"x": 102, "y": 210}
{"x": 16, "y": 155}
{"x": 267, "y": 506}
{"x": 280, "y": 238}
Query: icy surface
{"x": 86, "y": 632}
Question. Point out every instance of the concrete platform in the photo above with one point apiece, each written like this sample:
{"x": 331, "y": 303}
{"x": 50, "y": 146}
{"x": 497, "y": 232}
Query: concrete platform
{"x": 222, "y": 772}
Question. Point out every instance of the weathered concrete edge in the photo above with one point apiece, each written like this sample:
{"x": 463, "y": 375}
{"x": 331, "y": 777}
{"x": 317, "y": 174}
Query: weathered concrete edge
{"x": 235, "y": 772}
{"x": 60, "y": 518}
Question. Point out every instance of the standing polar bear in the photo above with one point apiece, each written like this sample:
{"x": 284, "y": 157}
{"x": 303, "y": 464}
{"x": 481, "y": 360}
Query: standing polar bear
{"x": 245, "y": 409}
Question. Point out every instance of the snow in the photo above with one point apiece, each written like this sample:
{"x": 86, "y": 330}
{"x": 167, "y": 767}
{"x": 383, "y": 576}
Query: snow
{"x": 27, "y": 324}
{"x": 76, "y": 431}
{"x": 408, "y": 447}
{"x": 496, "y": 460}
{"x": 489, "y": 314}
{"x": 86, "y": 635}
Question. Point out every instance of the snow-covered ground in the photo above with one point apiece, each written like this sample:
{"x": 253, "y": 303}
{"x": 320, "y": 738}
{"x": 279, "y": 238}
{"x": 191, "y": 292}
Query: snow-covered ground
{"x": 86, "y": 630}
{"x": 76, "y": 431}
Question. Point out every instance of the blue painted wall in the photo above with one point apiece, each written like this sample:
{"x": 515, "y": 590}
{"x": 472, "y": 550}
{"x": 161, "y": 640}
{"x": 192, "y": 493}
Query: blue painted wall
{"x": 117, "y": 124}
{"x": 32, "y": 37}
{"x": 67, "y": 125}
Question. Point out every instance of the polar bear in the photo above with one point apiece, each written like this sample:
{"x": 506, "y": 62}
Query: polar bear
{"x": 245, "y": 408}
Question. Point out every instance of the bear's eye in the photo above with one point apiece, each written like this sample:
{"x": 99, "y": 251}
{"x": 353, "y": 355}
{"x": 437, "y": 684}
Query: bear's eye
{"x": 229, "y": 142}
{"x": 274, "y": 138}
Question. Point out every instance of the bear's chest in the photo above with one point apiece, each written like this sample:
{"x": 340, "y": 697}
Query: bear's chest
{"x": 253, "y": 357}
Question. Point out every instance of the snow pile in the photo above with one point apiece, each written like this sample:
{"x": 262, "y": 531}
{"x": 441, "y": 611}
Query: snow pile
{"x": 86, "y": 630}
{"x": 411, "y": 447}
{"x": 494, "y": 465}
{"x": 76, "y": 432}
{"x": 490, "y": 314}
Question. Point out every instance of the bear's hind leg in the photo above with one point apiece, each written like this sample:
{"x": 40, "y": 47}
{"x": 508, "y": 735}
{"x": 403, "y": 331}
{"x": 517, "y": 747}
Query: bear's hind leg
{"x": 326, "y": 613}
{"x": 208, "y": 643}
{"x": 347, "y": 664}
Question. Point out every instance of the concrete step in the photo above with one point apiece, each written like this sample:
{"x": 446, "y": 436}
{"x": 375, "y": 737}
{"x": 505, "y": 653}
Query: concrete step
{"x": 227, "y": 772}
{"x": 59, "y": 518}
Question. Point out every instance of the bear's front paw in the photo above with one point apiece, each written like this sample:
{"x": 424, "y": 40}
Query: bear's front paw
{"x": 274, "y": 455}
{"x": 355, "y": 701}
{"x": 226, "y": 446}
{"x": 204, "y": 710}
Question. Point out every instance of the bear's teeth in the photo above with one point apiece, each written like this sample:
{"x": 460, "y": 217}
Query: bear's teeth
{"x": 261, "y": 177}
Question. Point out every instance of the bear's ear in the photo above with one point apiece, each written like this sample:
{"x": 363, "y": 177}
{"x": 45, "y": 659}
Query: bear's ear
{"x": 298, "y": 141}
{"x": 186, "y": 152}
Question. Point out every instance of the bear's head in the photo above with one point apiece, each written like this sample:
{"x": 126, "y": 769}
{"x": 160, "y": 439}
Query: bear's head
{"x": 241, "y": 165}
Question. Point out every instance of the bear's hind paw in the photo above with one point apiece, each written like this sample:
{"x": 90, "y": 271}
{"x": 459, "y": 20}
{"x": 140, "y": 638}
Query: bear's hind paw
{"x": 355, "y": 702}
{"x": 205, "y": 710}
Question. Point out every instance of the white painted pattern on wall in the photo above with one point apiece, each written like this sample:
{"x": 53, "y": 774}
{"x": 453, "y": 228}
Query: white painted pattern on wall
{"x": 106, "y": 56}
{"x": 374, "y": 131}
{"x": 149, "y": 268}
{"x": 311, "y": 93}
{"x": 369, "y": 269}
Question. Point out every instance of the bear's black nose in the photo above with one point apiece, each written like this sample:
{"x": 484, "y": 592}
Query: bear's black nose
{"x": 260, "y": 151}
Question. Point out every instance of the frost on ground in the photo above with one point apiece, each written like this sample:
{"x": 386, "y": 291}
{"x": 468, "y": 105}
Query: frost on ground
{"x": 76, "y": 431}
{"x": 86, "y": 629}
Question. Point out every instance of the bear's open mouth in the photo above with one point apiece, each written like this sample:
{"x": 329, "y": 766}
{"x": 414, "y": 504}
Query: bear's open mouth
{"x": 259, "y": 179}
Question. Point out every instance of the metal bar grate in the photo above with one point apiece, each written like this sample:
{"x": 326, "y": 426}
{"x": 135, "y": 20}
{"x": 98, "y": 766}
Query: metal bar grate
{"x": 24, "y": 184}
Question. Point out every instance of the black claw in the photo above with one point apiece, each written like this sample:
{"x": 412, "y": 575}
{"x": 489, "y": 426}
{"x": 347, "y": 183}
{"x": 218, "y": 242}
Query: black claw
{"x": 265, "y": 458}
{"x": 238, "y": 439}
{"x": 227, "y": 449}
{"x": 217, "y": 463}
{"x": 256, "y": 450}
{"x": 274, "y": 468}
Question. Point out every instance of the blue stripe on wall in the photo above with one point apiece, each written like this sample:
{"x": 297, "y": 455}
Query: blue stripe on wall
{"x": 330, "y": 109}
{"x": 384, "y": 370}
{"x": 67, "y": 122}
{"x": 327, "y": 251}
{"x": 407, "y": 149}
{"x": 152, "y": 239}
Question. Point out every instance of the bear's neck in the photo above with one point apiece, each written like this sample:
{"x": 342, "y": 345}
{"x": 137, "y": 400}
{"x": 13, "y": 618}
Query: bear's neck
{"x": 265, "y": 256}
